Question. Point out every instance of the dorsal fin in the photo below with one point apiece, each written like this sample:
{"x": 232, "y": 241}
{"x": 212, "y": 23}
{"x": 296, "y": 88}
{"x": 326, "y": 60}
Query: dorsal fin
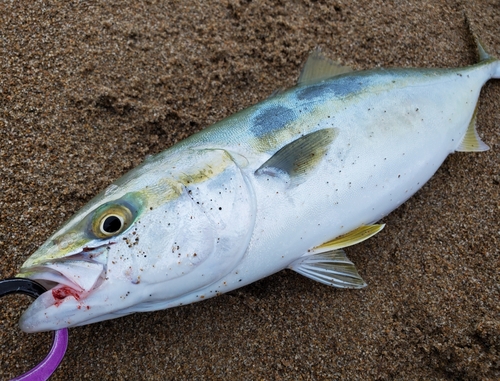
{"x": 297, "y": 158}
{"x": 471, "y": 141}
{"x": 319, "y": 67}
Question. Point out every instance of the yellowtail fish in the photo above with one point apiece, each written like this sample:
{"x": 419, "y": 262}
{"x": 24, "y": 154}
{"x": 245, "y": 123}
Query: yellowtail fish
{"x": 286, "y": 183}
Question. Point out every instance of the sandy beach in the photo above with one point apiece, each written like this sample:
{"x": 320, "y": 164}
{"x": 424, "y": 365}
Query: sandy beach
{"x": 89, "y": 89}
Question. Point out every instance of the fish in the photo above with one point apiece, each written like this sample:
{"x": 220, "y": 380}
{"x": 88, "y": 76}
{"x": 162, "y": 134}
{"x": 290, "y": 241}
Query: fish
{"x": 289, "y": 182}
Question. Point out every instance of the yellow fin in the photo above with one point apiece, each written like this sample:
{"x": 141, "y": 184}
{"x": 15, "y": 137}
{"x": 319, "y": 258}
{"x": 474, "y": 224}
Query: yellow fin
{"x": 471, "y": 141}
{"x": 318, "y": 68}
{"x": 352, "y": 238}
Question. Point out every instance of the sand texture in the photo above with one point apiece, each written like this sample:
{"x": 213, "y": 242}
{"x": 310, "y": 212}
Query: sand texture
{"x": 88, "y": 89}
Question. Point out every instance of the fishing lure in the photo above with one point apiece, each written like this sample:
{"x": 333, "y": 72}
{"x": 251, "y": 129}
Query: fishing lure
{"x": 43, "y": 370}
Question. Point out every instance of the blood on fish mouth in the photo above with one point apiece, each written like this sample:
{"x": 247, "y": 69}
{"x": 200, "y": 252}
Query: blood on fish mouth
{"x": 61, "y": 293}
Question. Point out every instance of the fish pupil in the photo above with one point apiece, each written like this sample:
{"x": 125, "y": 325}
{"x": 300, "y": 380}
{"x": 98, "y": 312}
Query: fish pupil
{"x": 112, "y": 224}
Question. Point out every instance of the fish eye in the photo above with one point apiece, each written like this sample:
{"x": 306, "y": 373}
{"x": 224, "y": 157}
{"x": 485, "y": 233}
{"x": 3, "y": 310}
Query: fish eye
{"x": 111, "y": 220}
{"x": 111, "y": 224}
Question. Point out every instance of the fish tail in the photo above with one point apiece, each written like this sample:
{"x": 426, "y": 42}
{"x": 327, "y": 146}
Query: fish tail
{"x": 485, "y": 57}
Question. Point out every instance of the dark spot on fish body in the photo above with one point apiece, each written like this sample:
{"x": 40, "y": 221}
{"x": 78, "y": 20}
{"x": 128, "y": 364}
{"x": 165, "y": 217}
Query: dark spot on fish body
{"x": 315, "y": 91}
{"x": 271, "y": 119}
{"x": 339, "y": 87}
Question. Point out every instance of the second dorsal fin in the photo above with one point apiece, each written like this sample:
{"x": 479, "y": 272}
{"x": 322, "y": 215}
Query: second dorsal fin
{"x": 319, "y": 67}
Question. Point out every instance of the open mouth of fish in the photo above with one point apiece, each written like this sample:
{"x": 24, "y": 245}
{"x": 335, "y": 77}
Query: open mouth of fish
{"x": 75, "y": 275}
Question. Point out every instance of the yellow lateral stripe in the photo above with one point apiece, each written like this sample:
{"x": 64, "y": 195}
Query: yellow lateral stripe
{"x": 352, "y": 238}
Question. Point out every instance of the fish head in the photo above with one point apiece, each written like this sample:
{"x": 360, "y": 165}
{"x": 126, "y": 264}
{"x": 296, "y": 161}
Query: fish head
{"x": 152, "y": 238}
{"x": 77, "y": 264}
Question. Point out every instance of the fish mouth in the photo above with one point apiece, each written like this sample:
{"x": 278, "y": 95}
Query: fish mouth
{"x": 74, "y": 275}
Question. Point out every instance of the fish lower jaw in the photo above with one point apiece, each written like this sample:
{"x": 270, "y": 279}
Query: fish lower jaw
{"x": 53, "y": 310}
{"x": 57, "y": 285}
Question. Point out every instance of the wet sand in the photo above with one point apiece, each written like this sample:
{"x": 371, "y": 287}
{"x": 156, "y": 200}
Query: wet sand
{"x": 87, "y": 90}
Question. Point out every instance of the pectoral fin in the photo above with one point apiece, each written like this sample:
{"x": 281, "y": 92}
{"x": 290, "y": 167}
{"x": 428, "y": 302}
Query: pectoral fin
{"x": 300, "y": 156}
{"x": 332, "y": 268}
{"x": 471, "y": 141}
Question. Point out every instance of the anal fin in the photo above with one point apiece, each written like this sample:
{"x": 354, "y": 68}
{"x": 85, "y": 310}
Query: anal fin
{"x": 471, "y": 141}
{"x": 328, "y": 263}
{"x": 332, "y": 268}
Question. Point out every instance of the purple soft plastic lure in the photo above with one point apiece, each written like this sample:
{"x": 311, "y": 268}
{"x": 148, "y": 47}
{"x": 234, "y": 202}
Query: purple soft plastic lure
{"x": 44, "y": 369}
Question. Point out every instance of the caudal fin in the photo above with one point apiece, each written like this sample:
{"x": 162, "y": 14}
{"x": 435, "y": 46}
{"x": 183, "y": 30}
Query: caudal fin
{"x": 485, "y": 56}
